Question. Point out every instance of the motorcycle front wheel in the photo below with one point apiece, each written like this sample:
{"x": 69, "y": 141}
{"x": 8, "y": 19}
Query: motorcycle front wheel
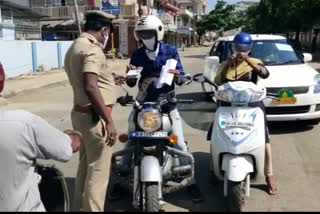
{"x": 151, "y": 197}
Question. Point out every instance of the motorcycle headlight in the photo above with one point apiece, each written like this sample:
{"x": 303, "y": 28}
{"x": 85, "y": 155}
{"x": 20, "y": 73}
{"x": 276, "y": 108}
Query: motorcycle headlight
{"x": 316, "y": 89}
{"x": 149, "y": 120}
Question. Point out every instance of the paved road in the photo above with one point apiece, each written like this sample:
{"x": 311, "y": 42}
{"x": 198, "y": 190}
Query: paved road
{"x": 296, "y": 149}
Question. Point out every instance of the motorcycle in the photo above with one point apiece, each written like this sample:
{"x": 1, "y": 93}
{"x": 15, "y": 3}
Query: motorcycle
{"x": 237, "y": 148}
{"x": 155, "y": 167}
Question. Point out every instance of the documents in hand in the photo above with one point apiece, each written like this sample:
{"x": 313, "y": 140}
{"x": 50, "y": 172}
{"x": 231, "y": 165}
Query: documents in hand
{"x": 165, "y": 76}
{"x": 134, "y": 73}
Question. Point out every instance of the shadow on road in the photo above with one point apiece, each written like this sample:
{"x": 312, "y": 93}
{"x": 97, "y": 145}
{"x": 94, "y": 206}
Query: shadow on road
{"x": 199, "y": 115}
{"x": 289, "y": 127}
{"x": 181, "y": 199}
{"x": 213, "y": 202}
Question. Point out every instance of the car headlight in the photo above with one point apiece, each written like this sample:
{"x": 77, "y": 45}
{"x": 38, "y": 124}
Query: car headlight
{"x": 149, "y": 120}
{"x": 317, "y": 84}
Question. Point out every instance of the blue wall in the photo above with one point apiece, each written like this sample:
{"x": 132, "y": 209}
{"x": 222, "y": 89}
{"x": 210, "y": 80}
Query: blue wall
{"x": 18, "y": 57}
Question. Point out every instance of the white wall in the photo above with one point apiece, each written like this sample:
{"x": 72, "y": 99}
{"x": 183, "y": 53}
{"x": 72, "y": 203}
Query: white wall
{"x": 47, "y": 54}
{"x": 16, "y": 56}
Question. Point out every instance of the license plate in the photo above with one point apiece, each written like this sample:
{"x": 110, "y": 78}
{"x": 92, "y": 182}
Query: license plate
{"x": 150, "y": 135}
{"x": 285, "y": 97}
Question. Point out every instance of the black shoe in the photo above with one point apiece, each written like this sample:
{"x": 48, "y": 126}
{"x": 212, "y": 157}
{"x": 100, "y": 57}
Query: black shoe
{"x": 196, "y": 194}
{"x": 116, "y": 192}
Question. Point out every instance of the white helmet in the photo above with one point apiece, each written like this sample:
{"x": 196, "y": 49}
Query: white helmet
{"x": 149, "y": 24}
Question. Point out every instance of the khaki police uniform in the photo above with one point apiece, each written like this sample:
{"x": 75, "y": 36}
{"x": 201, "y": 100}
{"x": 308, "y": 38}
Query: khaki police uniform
{"x": 86, "y": 56}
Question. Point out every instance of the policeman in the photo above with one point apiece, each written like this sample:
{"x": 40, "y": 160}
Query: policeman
{"x": 94, "y": 96}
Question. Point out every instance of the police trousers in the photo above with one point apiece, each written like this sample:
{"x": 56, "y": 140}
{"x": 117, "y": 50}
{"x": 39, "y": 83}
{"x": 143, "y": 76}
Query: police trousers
{"x": 94, "y": 164}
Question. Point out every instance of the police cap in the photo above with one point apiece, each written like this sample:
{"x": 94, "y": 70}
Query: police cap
{"x": 96, "y": 15}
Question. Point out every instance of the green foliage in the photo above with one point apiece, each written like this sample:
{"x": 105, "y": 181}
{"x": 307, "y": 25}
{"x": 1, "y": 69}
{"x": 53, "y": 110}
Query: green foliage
{"x": 274, "y": 16}
{"x": 222, "y": 18}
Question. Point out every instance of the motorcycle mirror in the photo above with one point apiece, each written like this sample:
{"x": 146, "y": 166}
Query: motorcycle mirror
{"x": 188, "y": 79}
{"x": 199, "y": 78}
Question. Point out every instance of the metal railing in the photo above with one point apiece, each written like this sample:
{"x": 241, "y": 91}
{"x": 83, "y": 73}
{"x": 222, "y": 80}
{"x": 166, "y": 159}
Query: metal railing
{"x": 60, "y": 11}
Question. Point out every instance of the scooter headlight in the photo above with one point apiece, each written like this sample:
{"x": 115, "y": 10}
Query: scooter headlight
{"x": 317, "y": 84}
{"x": 149, "y": 120}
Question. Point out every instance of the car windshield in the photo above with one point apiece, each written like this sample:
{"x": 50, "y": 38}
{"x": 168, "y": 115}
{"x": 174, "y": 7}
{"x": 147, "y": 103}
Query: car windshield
{"x": 273, "y": 52}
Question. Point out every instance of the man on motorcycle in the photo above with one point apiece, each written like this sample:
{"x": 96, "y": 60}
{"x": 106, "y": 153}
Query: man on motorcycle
{"x": 152, "y": 56}
{"x": 240, "y": 67}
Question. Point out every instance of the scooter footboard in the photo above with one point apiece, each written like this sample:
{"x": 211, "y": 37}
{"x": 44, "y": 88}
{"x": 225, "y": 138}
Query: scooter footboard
{"x": 237, "y": 167}
{"x": 150, "y": 169}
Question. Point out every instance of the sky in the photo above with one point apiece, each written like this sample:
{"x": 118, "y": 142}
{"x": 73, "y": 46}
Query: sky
{"x": 212, "y": 3}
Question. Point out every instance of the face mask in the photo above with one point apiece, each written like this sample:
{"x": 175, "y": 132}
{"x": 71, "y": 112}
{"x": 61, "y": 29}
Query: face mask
{"x": 149, "y": 43}
{"x": 105, "y": 42}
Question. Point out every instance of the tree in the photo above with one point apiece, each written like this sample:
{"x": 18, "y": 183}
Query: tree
{"x": 222, "y": 18}
{"x": 274, "y": 16}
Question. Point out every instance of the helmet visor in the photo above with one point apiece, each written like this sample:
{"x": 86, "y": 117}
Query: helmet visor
{"x": 146, "y": 34}
{"x": 238, "y": 48}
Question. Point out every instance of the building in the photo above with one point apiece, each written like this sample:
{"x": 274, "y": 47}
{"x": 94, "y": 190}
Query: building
{"x": 191, "y": 12}
{"x": 18, "y": 21}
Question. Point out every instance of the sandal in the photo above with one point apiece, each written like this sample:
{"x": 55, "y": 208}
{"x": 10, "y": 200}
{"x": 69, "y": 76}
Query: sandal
{"x": 271, "y": 185}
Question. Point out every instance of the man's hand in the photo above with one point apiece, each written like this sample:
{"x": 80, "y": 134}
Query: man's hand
{"x": 76, "y": 139}
{"x": 111, "y": 134}
{"x": 130, "y": 67}
{"x": 232, "y": 61}
{"x": 176, "y": 74}
{"x": 118, "y": 79}
{"x": 243, "y": 55}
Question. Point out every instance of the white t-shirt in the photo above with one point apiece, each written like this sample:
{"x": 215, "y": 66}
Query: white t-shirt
{"x": 25, "y": 137}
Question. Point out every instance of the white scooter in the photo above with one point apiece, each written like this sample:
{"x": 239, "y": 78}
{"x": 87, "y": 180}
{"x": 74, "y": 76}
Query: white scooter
{"x": 237, "y": 146}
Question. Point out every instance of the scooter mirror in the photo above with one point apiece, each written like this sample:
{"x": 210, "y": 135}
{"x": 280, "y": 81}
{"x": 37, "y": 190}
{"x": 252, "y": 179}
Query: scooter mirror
{"x": 199, "y": 78}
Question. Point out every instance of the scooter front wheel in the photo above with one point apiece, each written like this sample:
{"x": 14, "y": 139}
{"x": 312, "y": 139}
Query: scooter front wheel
{"x": 236, "y": 196}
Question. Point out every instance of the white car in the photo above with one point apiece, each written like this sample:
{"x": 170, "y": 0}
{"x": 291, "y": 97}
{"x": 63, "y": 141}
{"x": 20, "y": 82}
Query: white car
{"x": 296, "y": 83}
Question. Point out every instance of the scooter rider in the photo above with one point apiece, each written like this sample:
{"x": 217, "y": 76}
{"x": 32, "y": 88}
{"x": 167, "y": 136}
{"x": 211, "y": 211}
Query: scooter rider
{"x": 152, "y": 57}
{"x": 240, "y": 67}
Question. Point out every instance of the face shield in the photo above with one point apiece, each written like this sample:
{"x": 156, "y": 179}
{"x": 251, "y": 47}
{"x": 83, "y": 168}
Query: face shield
{"x": 241, "y": 48}
{"x": 148, "y": 38}
{"x": 146, "y": 34}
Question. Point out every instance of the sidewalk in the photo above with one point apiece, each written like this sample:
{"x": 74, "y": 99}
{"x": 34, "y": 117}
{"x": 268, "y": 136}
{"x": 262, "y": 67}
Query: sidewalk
{"x": 36, "y": 80}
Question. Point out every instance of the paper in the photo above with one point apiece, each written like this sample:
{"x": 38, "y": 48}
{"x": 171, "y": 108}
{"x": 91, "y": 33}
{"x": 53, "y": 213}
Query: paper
{"x": 135, "y": 73}
{"x": 165, "y": 76}
{"x": 284, "y": 47}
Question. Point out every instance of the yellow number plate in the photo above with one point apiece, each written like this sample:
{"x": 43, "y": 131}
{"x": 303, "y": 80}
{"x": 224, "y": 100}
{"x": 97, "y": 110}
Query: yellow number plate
{"x": 285, "y": 101}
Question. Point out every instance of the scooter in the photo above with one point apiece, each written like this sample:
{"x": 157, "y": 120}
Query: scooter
{"x": 237, "y": 148}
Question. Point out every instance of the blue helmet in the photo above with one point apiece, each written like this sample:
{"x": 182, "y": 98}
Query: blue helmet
{"x": 242, "y": 42}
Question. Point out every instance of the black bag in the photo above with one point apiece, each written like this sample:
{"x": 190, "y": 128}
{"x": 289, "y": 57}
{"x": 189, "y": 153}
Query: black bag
{"x": 53, "y": 189}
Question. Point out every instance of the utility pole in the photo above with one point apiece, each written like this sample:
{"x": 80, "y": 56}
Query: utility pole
{"x": 148, "y": 6}
{"x": 77, "y": 15}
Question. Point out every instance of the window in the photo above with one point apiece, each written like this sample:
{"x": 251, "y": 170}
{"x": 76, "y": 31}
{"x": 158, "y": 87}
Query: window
{"x": 218, "y": 50}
